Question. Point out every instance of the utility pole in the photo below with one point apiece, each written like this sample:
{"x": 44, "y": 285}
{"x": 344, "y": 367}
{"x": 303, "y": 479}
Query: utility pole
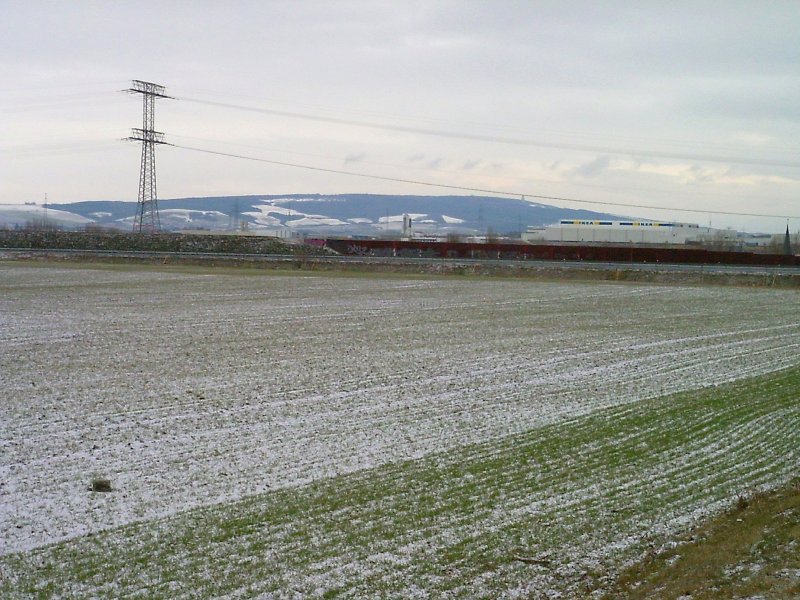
{"x": 787, "y": 242}
{"x": 233, "y": 218}
{"x": 147, "y": 219}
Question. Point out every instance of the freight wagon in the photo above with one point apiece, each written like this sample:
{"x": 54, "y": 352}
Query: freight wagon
{"x": 571, "y": 252}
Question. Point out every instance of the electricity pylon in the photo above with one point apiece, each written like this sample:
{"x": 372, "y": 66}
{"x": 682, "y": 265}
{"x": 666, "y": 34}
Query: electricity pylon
{"x": 147, "y": 219}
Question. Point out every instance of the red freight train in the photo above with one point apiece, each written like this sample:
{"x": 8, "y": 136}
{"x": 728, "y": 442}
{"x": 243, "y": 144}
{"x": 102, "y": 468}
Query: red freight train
{"x": 601, "y": 253}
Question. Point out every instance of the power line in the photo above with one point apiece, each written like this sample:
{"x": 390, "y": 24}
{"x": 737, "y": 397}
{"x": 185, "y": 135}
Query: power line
{"x": 474, "y": 189}
{"x": 445, "y": 172}
{"x": 383, "y": 117}
{"x": 505, "y": 140}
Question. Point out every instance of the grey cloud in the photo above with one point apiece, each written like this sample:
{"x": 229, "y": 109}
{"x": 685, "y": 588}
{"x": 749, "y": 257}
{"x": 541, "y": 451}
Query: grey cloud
{"x": 354, "y": 158}
{"x": 696, "y": 174}
{"x": 593, "y": 168}
{"x": 764, "y": 99}
{"x": 470, "y": 165}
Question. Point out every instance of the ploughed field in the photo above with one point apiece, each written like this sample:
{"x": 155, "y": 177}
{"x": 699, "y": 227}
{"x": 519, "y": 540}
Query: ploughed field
{"x": 289, "y": 436}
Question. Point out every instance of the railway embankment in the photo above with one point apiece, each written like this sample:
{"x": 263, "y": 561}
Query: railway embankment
{"x": 160, "y": 242}
{"x": 271, "y": 253}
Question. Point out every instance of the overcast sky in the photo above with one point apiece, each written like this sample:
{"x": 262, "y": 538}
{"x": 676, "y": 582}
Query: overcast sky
{"x": 691, "y": 105}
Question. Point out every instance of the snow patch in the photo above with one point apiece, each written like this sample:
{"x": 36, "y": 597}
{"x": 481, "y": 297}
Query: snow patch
{"x": 313, "y": 221}
{"x": 322, "y": 199}
{"x": 189, "y": 216}
{"x": 267, "y": 209}
{"x": 20, "y": 214}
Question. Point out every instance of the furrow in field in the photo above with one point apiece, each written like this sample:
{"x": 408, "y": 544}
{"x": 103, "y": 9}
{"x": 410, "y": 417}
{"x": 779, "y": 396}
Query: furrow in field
{"x": 189, "y": 390}
{"x": 581, "y": 495}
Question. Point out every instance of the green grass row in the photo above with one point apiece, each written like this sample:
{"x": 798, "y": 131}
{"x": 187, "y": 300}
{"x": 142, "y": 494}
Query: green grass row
{"x": 557, "y": 508}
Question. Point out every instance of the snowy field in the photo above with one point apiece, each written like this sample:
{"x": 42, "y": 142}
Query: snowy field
{"x": 189, "y": 389}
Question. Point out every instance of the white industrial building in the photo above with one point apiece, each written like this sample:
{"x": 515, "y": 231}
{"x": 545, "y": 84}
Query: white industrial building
{"x": 642, "y": 232}
{"x": 620, "y": 232}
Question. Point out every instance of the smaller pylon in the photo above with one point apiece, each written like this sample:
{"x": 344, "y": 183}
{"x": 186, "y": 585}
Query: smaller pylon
{"x": 787, "y": 242}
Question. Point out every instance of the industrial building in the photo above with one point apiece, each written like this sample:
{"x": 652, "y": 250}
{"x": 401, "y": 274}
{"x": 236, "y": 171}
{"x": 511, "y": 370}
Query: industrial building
{"x": 644, "y": 233}
{"x": 620, "y": 232}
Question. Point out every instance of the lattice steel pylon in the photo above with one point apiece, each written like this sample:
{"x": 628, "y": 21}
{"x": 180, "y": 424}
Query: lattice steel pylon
{"x": 147, "y": 219}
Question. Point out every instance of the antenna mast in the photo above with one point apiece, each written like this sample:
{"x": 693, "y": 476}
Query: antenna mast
{"x": 147, "y": 219}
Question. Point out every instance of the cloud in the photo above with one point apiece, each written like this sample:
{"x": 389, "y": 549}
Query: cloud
{"x": 593, "y": 168}
{"x": 354, "y": 158}
{"x": 469, "y": 165}
{"x": 698, "y": 174}
{"x": 753, "y": 138}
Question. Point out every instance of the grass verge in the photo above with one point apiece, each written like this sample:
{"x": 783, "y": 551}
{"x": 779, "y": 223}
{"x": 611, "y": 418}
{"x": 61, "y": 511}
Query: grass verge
{"x": 749, "y": 551}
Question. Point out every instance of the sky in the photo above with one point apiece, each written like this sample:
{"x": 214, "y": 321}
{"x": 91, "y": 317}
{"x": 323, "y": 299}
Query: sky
{"x": 689, "y": 107}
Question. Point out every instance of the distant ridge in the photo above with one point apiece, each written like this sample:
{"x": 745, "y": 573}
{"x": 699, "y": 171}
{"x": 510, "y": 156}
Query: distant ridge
{"x": 327, "y": 214}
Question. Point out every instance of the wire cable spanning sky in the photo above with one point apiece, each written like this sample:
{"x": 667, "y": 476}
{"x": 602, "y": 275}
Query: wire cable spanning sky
{"x": 688, "y": 106}
{"x": 516, "y": 194}
{"x": 637, "y": 152}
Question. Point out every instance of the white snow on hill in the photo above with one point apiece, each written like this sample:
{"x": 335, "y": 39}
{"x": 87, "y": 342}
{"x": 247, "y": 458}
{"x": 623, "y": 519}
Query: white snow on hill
{"x": 12, "y": 215}
{"x": 313, "y": 220}
{"x": 263, "y": 216}
{"x": 183, "y": 218}
{"x": 264, "y": 219}
{"x": 312, "y": 199}
{"x": 267, "y": 209}
{"x": 193, "y": 216}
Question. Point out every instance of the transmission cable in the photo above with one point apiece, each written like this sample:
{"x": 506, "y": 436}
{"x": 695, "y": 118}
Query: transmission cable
{"x": 503, "y": 140}
{"x": 475, "y": 189}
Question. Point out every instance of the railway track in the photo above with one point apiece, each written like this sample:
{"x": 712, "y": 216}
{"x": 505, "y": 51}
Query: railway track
{"x": 17, "y": 253}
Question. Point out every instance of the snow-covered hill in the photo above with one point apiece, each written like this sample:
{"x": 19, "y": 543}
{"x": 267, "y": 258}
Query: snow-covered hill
{"x": 343, "y": 214}
{"x": 33, "y": 215}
